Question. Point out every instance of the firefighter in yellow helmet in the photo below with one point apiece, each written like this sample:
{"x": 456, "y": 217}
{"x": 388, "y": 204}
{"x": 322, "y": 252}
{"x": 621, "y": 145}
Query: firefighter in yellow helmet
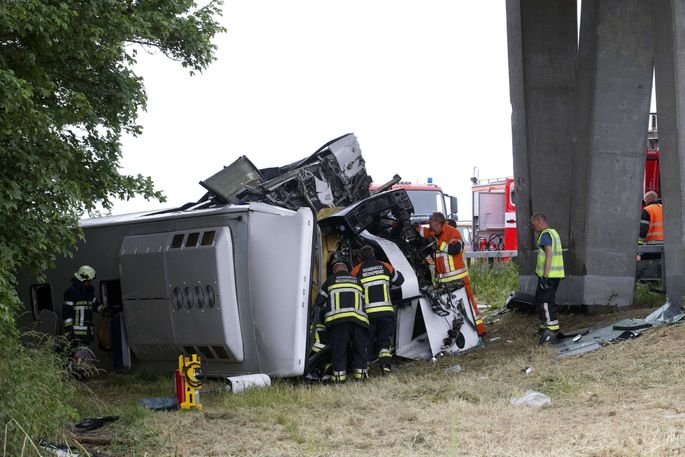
{"x": 79, "y": 304}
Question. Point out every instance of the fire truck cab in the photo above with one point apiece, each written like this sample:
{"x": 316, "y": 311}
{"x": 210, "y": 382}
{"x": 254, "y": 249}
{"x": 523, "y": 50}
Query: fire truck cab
{"x": 427, "y": 199}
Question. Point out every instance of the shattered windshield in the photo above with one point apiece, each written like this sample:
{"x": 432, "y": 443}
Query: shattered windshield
{"x": 426, "y": 202}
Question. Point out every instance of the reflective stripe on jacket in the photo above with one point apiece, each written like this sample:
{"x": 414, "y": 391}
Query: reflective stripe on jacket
{"x": 556, "y": 269}
{"x": 447, "y": 267}
{"x": 77, "y": 312}
{"x": 341, "y": 294}
{"x": 376, "y": 277}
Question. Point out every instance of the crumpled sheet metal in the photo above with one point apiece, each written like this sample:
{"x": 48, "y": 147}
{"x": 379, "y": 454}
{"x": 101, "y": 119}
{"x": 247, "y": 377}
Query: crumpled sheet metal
{"x": 667, "y": 314}
{"x": 334, "y": 176}
{"x": 595, "y": 339}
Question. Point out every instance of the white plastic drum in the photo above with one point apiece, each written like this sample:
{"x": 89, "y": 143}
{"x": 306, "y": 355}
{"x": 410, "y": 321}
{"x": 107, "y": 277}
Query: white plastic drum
{"x": 238, "y": 384}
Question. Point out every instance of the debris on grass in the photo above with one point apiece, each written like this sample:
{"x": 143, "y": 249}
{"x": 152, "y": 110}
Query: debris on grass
{"x": 533, "y": 399}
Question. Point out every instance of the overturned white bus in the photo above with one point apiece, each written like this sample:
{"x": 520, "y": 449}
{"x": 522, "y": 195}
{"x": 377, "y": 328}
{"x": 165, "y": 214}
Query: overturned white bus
{"x": 233, "y": 277}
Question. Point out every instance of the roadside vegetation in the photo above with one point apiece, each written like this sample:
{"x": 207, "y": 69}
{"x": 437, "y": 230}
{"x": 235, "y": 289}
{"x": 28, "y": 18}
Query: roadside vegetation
{"x": 492, "y": 283}
{"x": 68, "y": 91}
{"x": 649, "y": 294}
{"x": 36, "y": 394}
{"x": 623, "y": 400}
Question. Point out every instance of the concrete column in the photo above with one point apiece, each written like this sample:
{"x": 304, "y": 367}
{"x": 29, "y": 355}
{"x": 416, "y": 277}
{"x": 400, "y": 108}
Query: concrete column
{"x": 614, "y": 88}
{"x": 542, "y": 67}
{"x": 669, "y": 26}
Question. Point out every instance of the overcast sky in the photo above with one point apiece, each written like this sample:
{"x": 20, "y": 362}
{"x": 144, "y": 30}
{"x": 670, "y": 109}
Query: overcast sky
{"x": 423, "y": 86}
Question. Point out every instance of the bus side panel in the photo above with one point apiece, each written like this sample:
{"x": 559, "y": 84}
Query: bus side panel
{"x": 144, "y": 293}
{"x": 280, "y": 262}
{"x": 204, "y": 305}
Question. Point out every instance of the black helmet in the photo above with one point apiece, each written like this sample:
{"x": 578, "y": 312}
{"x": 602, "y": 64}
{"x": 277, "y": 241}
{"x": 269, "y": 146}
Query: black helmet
{"x": 338, "y": 258}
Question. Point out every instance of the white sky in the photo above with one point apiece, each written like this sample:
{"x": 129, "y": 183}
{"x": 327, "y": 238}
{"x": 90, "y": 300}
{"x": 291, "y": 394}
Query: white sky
{"x": 423, "y": 85}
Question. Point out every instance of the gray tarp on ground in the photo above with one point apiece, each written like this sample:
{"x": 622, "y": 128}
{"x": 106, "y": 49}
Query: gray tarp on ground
{"x": 619, "y": 331}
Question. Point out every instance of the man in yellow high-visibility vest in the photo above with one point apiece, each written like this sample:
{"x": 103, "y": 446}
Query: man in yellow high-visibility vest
{"x": 550, "y": 271}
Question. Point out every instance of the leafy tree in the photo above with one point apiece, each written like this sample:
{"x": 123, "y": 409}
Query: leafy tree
{"x": 68, "y": 92}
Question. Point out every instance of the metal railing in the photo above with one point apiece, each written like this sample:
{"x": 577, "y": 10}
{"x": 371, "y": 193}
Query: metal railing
{"x": 489, "y": 254}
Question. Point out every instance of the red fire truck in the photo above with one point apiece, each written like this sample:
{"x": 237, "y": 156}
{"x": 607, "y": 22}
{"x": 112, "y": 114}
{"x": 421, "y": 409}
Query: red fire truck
{"x": 494, "y": 215}
{"x": 652, "y": 174}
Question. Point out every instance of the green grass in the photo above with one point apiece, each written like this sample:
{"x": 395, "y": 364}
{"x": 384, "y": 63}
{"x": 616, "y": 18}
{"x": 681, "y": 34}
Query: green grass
{"x": 610, "y": 401}
{"x": 649, "y": 294}
{"x": 419, "y": 411}
{"x": 137, "y": 429}
{"x": 36, "y": 393}
{"x": 492, "y": 284}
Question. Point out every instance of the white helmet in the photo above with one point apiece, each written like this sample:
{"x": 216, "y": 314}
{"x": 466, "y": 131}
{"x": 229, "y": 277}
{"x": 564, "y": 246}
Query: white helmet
{"x": 85, "y": 273}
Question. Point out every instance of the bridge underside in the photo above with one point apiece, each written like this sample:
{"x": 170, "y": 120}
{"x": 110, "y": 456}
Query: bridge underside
{"x": 580, "y": 108}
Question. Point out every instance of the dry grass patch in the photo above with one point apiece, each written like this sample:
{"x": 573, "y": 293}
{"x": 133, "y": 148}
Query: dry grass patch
{"x": 624, "y": 400}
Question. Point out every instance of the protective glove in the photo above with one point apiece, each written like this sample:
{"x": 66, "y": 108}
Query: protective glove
{"x": 544, "y": 283}
{"x": 431, "y": 246}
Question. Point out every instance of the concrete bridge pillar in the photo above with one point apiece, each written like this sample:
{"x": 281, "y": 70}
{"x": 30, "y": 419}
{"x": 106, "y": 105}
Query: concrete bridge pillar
{"x": 579, "y": 120}
{"x": 669, "y": 27}
{"x": 614, "y": 86}
{"x": 542, "y": 79}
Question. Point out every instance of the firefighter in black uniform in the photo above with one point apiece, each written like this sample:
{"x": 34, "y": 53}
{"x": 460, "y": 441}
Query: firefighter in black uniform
{"x": 347, "y": 323}
{"x": 79, "y": 304}
{"x": 320, "y": 352}
{"x": 376, "y": 277}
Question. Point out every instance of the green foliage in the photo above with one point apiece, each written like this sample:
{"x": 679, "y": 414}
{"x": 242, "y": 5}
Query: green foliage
{"x": 9, "y": 302}
{"x": 35, "y": 392}
{"x": 648, "y": 294}
{"x": 492, "y": 284}
{"x": 67, "y": 93}
{"x": 136, "y": 430}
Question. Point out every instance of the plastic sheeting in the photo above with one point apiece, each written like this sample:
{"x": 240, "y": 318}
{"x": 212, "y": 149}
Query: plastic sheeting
{"x": 533, "y": 399}
{"x": 667, "y": 314}
{"x": 619, "y": 331}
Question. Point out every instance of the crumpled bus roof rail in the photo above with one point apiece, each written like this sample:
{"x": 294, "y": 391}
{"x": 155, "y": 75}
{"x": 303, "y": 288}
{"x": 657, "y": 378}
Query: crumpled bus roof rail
{"x": 334, "y": 176}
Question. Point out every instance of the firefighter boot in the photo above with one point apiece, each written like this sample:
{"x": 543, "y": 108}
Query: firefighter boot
{"x": 549, "y": 337}
{"x": 326, "y": 373}
{"x": 339, "y": 377}
{"x": 480, "y": 326}
{"x": 361, "y": 374}
{"x": 385, "y": 362}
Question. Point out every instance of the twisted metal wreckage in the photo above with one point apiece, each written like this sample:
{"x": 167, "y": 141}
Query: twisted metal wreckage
{"x": 233, "y": 276}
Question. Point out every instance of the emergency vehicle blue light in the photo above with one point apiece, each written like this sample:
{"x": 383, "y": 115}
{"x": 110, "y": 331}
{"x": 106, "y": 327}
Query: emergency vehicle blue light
{"x": 430, "y": 180}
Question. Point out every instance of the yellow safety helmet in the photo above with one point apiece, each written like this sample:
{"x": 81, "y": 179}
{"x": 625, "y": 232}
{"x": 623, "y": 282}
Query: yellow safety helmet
{"x": 85, "y": 273}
